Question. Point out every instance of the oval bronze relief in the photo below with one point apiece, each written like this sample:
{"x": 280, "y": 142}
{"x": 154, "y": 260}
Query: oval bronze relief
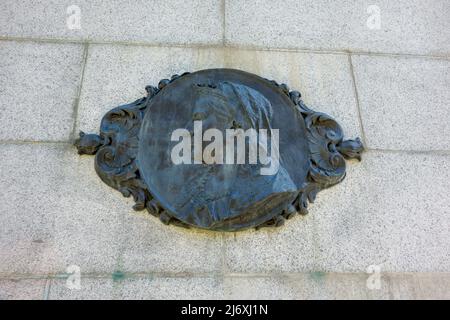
{"x": 219, "y": 149}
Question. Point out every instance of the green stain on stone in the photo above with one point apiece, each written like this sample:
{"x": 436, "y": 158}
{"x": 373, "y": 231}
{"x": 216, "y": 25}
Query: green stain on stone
{"x": 118, "y": 275}
{"x": 318, "y": 275}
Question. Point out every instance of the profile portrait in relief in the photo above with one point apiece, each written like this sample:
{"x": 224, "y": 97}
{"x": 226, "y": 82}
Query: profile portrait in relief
{"x": 226, "y": 188}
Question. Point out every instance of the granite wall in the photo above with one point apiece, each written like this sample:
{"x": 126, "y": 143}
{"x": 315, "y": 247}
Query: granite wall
{"x": 383, "y": 72}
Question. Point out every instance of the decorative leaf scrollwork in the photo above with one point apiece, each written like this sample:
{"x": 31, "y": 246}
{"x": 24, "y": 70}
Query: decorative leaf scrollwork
{"x": 328, "y": 151}
{"x": 115, "y": 160}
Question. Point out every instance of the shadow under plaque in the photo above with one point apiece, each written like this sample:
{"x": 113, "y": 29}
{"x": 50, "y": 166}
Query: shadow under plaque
{"x": 219, "y": 149}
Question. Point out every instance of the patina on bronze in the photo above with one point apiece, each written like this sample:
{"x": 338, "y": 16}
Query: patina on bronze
{"x": 133, "y": 151}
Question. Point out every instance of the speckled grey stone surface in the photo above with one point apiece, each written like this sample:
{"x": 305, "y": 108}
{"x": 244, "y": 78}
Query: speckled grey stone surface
{"x": 56, "y": 212}
{"x": 90, "y": 289}
{"x": 290, "y": 248}
{"x": 416, "y": 27}
{"x": 391, "y": 211}
{"x": 138, "y": 288}
{"x": 149, "y": 245}
{"x": 314, "y": 285}
{"x": 39, "y": 84}
{"x": 22, "y": 289}
{"x": 405, "y": 102}
{"x": 319, "y": 285}
{"x": 170, "y": 21}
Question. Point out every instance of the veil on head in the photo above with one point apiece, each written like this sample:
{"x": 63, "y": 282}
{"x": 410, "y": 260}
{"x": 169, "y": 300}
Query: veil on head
{"x": 245, "y": 106}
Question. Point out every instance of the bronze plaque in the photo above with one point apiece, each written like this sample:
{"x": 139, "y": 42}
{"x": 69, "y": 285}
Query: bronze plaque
{"x": 220, "y": 149}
